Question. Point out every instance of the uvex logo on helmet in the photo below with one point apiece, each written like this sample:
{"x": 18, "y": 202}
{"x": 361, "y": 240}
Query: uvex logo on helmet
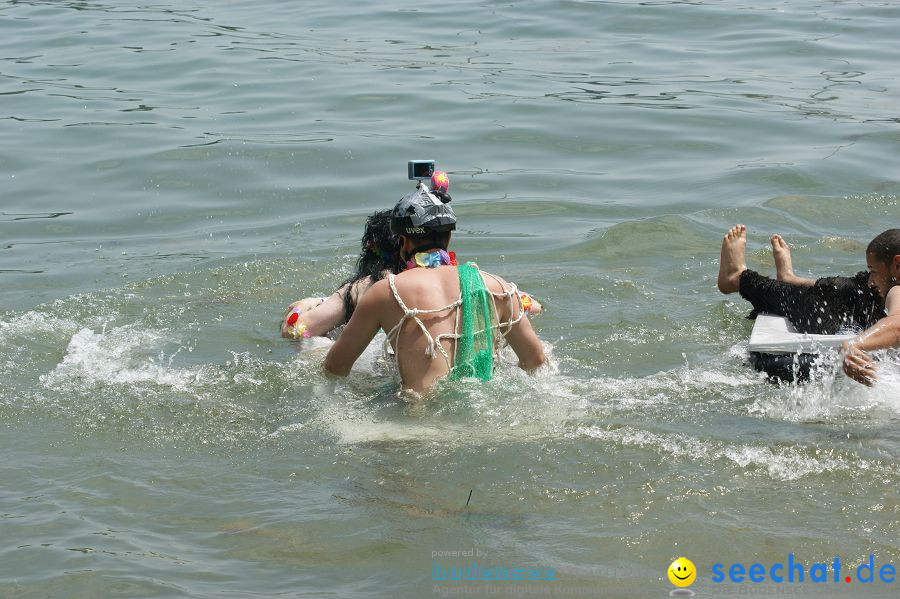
{"x": 415, "y": 230}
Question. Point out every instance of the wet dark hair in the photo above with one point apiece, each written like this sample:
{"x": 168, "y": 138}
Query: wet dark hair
{"x": 379, "y": 254}
{"x": 884, "y": 247}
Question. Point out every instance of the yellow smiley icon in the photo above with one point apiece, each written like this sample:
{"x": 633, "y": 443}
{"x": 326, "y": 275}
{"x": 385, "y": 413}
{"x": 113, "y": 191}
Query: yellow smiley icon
{"x": 682, "y": 572}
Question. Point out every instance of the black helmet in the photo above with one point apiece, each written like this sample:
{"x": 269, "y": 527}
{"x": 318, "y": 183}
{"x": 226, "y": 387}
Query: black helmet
{"x": 422, "y": 212}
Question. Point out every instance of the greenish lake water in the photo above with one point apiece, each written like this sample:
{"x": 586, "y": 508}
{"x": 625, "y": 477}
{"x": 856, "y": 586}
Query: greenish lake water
{"x": 174, "y": 174}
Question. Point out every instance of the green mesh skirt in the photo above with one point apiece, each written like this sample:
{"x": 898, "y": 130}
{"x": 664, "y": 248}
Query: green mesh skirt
{"x": 475, "y": 346}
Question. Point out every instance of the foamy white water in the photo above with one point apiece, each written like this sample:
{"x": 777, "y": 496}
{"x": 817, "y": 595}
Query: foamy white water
{"x": 176, "y": 174}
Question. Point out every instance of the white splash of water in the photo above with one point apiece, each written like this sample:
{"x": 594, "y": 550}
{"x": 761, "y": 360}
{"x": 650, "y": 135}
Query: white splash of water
{"x": 514, "y": 405}
{"x": 780, "y": 463}
{"x": 831, "y": 395}
{"x": 33, "y": 323}
{"x": 115, "y": 356}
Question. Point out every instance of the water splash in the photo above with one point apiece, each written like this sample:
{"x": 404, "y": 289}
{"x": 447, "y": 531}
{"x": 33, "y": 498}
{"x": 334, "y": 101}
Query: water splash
{"x": 116, "y": 357}
{"x": 831, "y": 396}
{"x": 778, "y": 462}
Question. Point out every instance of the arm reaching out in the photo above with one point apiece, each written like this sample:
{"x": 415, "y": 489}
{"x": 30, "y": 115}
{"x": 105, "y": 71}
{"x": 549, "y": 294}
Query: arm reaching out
{"x": 320, "y": 316}
{"x": 885, "y": 333}
{"x": 315, "y": 316}
{"x": 361, "y": 329}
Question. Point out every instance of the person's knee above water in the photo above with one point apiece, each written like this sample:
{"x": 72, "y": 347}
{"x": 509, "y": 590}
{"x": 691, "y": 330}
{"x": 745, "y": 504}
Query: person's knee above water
{"x": 379, "y": 256}
{"x": 441, "y": 319}
{"x": 825, "y": 305}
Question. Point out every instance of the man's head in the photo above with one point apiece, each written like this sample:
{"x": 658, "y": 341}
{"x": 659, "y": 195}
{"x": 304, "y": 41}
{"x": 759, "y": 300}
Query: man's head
{"x": 423, "y": 220}
{"x": 883, "y": 259}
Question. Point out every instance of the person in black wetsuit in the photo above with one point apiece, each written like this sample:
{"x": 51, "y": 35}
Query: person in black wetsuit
{"x": 828, "y": 305}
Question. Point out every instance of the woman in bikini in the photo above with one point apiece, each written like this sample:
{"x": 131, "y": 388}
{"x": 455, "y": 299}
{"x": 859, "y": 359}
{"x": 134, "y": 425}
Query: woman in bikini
{"x": 379, "y": 256}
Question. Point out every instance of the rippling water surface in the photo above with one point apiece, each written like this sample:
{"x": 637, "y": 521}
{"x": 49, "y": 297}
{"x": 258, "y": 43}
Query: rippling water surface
{"x": 174, "y": 174}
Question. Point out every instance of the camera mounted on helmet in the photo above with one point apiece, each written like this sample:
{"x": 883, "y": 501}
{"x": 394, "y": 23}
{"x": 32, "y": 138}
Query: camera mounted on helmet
{"x": 424, "y": 211}
{"x": 420, "y": 170}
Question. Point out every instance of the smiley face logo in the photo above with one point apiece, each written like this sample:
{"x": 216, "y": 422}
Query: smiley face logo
{"x": 682, "y": 572}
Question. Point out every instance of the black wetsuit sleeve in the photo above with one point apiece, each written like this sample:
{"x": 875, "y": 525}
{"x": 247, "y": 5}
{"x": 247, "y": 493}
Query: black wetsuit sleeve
{"x": 863, "y": 305}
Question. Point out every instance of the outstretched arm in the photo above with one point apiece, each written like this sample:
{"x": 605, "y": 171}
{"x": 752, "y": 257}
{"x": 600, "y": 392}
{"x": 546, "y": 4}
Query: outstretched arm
{"x": 361, "y": 329}
{"x": 316, "y": 316}
{"x": 884, "y": 334}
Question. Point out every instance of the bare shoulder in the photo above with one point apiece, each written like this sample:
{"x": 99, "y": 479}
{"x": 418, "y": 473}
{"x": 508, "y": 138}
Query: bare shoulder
{"x": 496, "y": 283}
{"x": 380, "y": 287}
{"x": 376, "y": 294}
{"x": 892, "y": 301}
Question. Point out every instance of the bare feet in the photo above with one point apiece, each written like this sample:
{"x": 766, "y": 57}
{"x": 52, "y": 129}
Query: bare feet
{"x": 731, "y": 262}
{"x": 784, "y": 266}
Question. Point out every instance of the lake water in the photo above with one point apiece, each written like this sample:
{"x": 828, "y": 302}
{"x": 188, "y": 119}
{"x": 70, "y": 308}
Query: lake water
{"x": 174, "y": 174}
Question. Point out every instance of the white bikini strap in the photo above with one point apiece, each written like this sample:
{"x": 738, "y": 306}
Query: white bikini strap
{"x": 512, "y": 294}
{"x": 414, "y": 314}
